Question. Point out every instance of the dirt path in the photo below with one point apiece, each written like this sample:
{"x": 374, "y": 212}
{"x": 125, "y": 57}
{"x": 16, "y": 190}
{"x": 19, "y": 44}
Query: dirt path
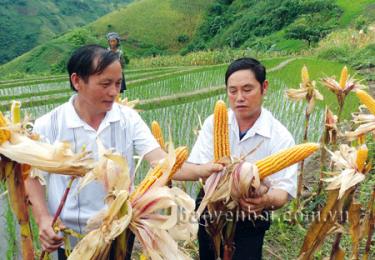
{"x": 281, "y": 65}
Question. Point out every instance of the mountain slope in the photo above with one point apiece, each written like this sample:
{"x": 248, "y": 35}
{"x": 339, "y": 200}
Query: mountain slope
{"x": 154, "y": 23}
{"x": 276, "y": 25}
{"x": 146, "y": 26}
{"x": 28, "y": 23}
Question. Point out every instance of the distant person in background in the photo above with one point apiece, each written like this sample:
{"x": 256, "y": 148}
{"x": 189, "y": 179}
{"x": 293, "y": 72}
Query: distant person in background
{"x": 114, "y": 43}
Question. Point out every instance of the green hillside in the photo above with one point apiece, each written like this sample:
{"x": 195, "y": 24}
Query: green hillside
{"x": 160, "y": 25}
{"x": 153, "y": 27}
{"x": 285, "y": 25}
{"x": 28, "y": 23}
{"x": 146, "y": 26}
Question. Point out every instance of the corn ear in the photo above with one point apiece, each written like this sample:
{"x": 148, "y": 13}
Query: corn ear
{"x": 4, "y": 133}
{"x": 15, "y": 112}
{"x": 344, "y": 77}
{"x": 362, "y": 154}
{"x": 305, "y": 75}
{"x": 285, "y": 158}
{"x": 118, "y": 98}
{"x": 221, "y": 131}
{"x": 367, "y": 100}
{"x": 157, "y": 133}
{"x": 181, "y": 156}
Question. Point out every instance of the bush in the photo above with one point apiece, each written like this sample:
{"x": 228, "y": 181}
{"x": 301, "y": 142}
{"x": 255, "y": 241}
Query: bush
{"x": 340, "y": 54}
{"x": 183, "y": 38}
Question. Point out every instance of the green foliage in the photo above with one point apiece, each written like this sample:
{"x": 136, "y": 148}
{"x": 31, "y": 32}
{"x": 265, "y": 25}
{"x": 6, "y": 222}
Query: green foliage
{"x": 361, "y": 23}
{"x": 26, "y": 24}
{"x": 147, "y": 28}
{"x": 51, "y": 56}
{"x": 352, "y": 47}
{"x": 353, "y": 9}
{"x": 312, "y": 27}
{"x": 238, "y": 23}
{"x": 183, "y": 38}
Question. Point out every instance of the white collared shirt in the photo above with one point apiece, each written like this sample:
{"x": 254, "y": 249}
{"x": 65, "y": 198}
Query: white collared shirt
{"x": 266, "y": 131}
{"x": 121, "y": 129}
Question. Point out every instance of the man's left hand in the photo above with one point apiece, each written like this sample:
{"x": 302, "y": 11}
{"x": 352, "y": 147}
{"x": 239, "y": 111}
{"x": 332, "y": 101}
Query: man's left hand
{"x": 255, "y": 205}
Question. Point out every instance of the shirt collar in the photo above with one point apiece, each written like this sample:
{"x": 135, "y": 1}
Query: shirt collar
{"x": 73, "y": 120}
{"x": 262, "y": 125}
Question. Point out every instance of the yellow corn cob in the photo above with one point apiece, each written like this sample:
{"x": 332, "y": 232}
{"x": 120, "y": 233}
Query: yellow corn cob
{"x": 344, "y": 77}
{"x": 367, "y": 100}
{"x": 4, "y": 134}
{"x": 362, "y": 154}
{"x": 221, "y": 131}
{"x": 156, "y": 131}
{"x": 15, "y": 112}
{"x": 118, "y": 98}
{"x": 285, "y": 158}
{"x": 305, "y": 75}
{"x": 181, "y": 156}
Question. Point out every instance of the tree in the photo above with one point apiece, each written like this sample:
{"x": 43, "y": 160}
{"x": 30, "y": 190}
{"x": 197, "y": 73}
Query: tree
{"x": 310, "y": 28}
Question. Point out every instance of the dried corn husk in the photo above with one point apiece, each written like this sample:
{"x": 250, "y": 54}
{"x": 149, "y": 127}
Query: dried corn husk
{"x": 126, "y": 102}
{"x": 366, "y": 124}
{"x": 347, "y": 161}
{"x": 306, "y": 91}
{"x": 145, "y": 216}
{"x": 56, "y": 158}
{"x": 348, "y": 171}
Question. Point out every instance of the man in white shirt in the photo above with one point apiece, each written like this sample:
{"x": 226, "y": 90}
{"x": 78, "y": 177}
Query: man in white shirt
{"x": 95, "y": 74}
{"x": 250, "y": 125}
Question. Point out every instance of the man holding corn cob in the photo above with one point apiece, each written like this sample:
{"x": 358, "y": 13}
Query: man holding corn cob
{"x": 251, "y": 127}
{"x": 95, "y": 74}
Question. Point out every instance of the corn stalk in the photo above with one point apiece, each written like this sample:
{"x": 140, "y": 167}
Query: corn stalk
{"x": 59, "y": 209}
{"x": 18, "y": 202}
{"x": 370, "y": 224}
{"x": 325, "y": 224}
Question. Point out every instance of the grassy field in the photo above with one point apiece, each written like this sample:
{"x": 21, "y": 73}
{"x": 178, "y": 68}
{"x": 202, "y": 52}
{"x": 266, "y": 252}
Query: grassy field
{"x": 353, "y": 9}
{"x": 153, "y": 22}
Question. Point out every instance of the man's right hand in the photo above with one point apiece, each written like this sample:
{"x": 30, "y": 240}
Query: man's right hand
{"x": 210, "y": 168}
{"x": 49, "y": 240}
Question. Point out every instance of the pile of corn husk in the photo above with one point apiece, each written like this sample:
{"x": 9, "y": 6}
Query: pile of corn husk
{"x": 145, "y": 215}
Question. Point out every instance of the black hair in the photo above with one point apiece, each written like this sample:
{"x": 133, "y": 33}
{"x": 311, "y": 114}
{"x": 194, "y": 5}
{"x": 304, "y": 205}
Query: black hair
{"x": 90, "y": 60}
{"x": 247, "y": 64}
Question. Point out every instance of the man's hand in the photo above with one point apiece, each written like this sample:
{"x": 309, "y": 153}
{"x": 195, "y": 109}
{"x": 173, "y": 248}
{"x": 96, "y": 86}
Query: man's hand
{"x": 272, "y": 200}
{"x": 194, "y": 172}
{"x": 208, "y": 169}
{"x": 49, "y": 240}
{"x": 255, "y": 205}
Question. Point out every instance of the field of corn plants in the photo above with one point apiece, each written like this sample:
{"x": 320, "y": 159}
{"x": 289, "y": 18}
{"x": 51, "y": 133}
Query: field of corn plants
{"x": 179, "y": 98}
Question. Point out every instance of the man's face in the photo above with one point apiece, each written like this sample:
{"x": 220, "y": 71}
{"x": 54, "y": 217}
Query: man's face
{"x": 245, "y": 95}
{"x": 100, "y": 90}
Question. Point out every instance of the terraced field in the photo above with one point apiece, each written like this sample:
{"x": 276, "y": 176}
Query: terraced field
{"x": 179, "y": 98}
